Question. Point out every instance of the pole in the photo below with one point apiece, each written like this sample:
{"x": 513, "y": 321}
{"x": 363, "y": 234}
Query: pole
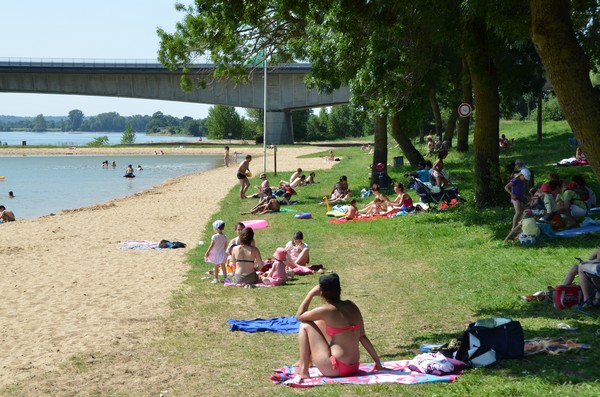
{"x": 265, "y": 117}
{"x": 275, "y": 159}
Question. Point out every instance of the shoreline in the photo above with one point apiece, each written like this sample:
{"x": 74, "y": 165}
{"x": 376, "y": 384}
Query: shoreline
{"x": 68, "y": 290}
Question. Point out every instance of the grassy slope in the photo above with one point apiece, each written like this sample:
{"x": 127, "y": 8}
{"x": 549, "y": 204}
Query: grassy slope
{"x": 418, "y": 279}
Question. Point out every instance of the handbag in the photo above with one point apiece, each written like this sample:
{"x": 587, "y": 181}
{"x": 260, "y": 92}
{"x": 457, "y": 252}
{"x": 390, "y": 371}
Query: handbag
{"x": 503, "y": 335}
{"x": 488, "y": 340}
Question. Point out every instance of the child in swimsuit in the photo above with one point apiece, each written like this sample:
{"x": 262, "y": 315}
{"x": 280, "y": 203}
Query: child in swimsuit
{"x": 216, "y": 251}
{"x": 277, "y": 274}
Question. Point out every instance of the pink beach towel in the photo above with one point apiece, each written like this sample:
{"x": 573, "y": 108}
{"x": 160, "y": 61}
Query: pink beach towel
{"x": 395, "y": 372}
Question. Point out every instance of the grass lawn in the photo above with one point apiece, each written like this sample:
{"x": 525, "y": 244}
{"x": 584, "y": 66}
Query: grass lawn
{"x": 417, "y": 279}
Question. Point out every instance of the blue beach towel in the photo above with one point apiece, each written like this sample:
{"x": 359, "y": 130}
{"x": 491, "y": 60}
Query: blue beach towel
{"x": 578, "y": 230}
{"x": 283, "y": 325}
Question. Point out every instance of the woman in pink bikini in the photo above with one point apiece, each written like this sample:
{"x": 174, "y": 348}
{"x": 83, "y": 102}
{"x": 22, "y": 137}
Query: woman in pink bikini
{"x": 329, "y": 334}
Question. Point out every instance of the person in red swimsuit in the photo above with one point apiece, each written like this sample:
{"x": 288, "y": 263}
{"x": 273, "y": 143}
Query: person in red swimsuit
{"x": 329, "y": 334}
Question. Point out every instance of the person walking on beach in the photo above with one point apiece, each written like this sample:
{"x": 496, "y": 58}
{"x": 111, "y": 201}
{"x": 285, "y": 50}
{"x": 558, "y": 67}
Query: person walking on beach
{"x": 242, "y": 176}
{"x": 6, "y": 215}
{"x": 226, "y": 156}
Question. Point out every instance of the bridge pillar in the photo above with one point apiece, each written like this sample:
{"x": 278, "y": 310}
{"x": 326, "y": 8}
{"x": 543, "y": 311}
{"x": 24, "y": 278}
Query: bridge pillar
{"x": 280, "y": 129}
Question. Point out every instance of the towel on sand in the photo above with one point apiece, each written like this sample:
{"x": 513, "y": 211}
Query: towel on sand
{"x": 394, "y": 372}
{"x": 283, "y": 325}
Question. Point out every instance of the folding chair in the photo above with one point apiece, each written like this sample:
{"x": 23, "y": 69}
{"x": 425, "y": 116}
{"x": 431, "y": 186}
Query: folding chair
{"x": 591, "y": 270}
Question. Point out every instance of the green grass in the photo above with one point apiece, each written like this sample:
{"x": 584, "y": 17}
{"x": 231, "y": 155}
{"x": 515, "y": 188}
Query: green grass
{"x": 418, "y": 279}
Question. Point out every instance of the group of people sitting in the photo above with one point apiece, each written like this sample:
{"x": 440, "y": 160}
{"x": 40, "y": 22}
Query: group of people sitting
{"x": 547, "y": 203}
{"x": 244, "y": 260}
{"x": 271, "y": 200}
{"x": 381, "y": 204}
{"x": 436, "y": 146}
{"x": 432, "y": 174}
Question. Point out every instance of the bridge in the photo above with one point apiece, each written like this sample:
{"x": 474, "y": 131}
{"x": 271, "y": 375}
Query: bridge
{"x": 286, "y": 91}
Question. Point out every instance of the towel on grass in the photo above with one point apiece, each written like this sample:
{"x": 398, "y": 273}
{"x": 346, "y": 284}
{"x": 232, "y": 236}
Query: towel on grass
{"x": 229, "y": 283}
{"x": 283, "y": 325}
{"x": 579, "y": 230}
{"x": 552, "y": 346}
{"x": 394, "y": 372}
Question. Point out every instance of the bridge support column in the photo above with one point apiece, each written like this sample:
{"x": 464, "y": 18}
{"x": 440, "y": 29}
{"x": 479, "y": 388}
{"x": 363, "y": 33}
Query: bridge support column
{"x": 280, "y": 129}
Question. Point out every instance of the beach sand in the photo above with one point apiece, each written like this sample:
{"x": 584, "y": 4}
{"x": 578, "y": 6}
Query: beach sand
{"x": 67, "y": 290}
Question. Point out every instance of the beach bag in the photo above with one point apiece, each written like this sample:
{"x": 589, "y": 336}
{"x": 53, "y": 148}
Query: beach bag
{"x": 503, "y": 335}
{"x": 472, "y": 352}
{"x": 565, "y": 296}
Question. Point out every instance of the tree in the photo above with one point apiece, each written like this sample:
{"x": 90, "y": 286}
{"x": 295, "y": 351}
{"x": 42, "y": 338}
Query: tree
{"x": 128, "y": 137}
{"x": 39, "y": 123}
{"x": 75, "y": 119}
{"x": 222, "y": 121}
{"x": 568, "y": 68}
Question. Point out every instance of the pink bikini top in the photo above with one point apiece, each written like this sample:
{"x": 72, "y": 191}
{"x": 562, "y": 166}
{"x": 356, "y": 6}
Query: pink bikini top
{"x": 332, "y": 330}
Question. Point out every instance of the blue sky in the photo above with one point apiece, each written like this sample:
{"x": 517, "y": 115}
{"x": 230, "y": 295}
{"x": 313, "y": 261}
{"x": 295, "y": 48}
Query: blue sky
{"x": 109, "y": 29}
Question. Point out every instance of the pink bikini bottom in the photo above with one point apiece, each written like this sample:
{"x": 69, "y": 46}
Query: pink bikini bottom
{"x": 345, "y": 369}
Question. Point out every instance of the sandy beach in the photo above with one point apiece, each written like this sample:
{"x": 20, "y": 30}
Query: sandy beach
{"x": 68, "y": 290}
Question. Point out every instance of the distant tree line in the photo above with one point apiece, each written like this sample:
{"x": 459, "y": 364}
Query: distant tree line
{"x": 158, "y": 123}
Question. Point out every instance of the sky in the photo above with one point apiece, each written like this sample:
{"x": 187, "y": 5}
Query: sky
{"x": 108, "y": 29}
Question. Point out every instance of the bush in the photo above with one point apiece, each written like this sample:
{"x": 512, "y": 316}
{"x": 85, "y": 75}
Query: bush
{"x": 551, "y": 110}
{"x": 99, "y": 141}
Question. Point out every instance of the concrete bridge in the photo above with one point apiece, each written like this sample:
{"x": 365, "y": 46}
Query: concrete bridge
{"x": 150, "y": 80}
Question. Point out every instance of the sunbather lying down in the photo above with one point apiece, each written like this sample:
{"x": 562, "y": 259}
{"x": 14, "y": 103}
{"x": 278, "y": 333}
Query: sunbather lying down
{"x": 264, "y": 206}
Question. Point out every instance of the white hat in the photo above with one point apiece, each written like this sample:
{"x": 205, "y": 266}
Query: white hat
{"x": 218, "y": 224}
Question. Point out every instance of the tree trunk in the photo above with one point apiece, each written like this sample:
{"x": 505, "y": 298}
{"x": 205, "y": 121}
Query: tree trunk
{"x": 539, "y": 116}
{"x": 451, "y": 126}
{"x": 411, "y": 154}
{"x": 488, "y": 185}
{"x": 380, "y": 152}
{"x": 462, "y": 139}
{"x": 568, "y": 69}
{"x": 435, "y": 109}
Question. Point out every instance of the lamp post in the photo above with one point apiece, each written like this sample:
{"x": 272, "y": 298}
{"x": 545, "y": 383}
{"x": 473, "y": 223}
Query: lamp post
{"x": 265, "y": 117}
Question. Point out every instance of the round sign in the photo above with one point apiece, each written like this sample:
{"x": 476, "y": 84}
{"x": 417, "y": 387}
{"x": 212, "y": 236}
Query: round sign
{"x": 464, "y": 110}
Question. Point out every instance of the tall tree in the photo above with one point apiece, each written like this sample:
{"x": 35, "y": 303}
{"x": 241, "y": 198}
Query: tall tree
{"x": 568, "y": 69}
{"x": 75, "y": 119}
{"x": 39, "y": 123}
{"x": 222, "y": 121}
{"x": 128, "y": 136}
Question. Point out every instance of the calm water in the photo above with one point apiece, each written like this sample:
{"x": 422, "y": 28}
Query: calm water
{"x": 48, "y": 184}
{"x": 81, "y": 139}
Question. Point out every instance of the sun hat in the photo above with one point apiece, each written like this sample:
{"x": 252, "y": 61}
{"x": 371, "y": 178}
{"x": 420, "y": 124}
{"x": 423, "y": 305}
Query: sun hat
{"x": 280, "y": 254}
{"x": 218, "y": 224}
{"x": 545, "y": 188}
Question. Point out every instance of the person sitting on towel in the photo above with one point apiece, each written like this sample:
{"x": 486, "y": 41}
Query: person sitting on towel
{"x": 329, "y": 334}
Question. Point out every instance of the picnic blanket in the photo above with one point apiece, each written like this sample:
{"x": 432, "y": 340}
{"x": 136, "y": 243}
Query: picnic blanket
{"x": 578, "y": 231}
{"x": 361, "y": 218}
{"x": 552, "y": 346}
{"x": 229, "y": 283}
{"x": 394, "y": 372}
{"x": 283, "y": 325}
